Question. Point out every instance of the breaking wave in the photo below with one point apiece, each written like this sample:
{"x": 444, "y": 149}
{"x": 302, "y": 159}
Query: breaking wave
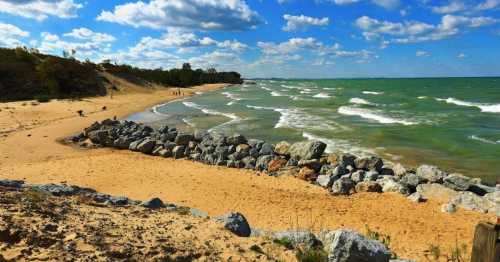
{"x": 322, "y": 95}
{"x": 491, "y": 108}
{"x": 372, "y": 115}
{"x": 205, "y": 110}
{"x": 359, "y": 101}
{"x": 484, "y": 140}
{"x": 372, "y": 93}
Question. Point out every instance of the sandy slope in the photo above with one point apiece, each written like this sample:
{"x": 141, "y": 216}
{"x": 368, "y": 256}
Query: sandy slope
{"x": 268, "y": 203}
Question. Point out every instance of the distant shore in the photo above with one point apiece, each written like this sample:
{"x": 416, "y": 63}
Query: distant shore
{"x": 29, "y": 151}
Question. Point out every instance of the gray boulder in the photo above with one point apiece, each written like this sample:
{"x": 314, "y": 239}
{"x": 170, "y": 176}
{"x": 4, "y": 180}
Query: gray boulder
{"x": 368, "y": 186}
{"x": 369, "y": 163}
{"x": 297, "y": 238}
{"x": 256, "y": 143}
{"x": 307, "y": 150}
{"x": 326, "y": 180}
{"x": 282, "y": 148}
{"x": 399, "y": 170}
{"x": 236, "y": 139}
{"x": 350, "y": 246}
{"x": 343, "y": 186}
{"x": 358, "y": 176}
{"x": 417, "y": 197}
{"x": 457, "y": 182}
{"x": 412, "y": 180}
{"x": 146, "y": 146}
{"x": 178, "y": 152}
{"x": 371, "y": 175}
{"x": 266, "y": 149}
{"x": 390, "y": 185}
{"x": 436, "y": 192}
{"x": 473, "y": 202}
{"x": 11, "y": 183}
{"x": 153, "y": 203}
{"x": 431, "y": 173}
{"x": 183, "y": 139}
{"x": 57, "y": 190}
{"x": 262, "y": 162}
{"x": 347, "y": 160}
{"x": 236, "y": 223}
{"x": 480, "y": 189}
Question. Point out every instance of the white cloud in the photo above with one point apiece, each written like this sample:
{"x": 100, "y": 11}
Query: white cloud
{"x": 451, "y": 7}
{"x": 488, "y": 4}
{"x": 388, "y": 4}
{"x": 345, "y": 2}
{"x": 87, "y": 34}
{"x": 40, "y": 9}
{"x": 192, "y": 14}
{"x": 415, "y": 31}
{"x": 10, "y": 34}
{"x": 422, "y": 53}
{"x": 461, "y": 56}
{"x": 302, "y": 22}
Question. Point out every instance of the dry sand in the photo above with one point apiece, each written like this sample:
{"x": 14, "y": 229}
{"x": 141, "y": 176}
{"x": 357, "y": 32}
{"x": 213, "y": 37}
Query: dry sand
{"x": 31, "y": 152}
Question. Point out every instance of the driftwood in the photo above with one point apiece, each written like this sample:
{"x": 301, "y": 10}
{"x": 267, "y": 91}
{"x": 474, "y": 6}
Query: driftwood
{"x": 486, "y": 246}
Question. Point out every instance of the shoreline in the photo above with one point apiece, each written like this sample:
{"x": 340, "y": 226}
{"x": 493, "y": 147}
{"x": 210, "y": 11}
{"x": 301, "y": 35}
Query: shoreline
{"x": 268, "y": 202}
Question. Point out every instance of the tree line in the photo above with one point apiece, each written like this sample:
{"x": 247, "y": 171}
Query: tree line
{"x": 28, "y": 74}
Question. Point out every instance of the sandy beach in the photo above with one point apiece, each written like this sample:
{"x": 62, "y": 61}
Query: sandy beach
{"x": 29, "y": 150}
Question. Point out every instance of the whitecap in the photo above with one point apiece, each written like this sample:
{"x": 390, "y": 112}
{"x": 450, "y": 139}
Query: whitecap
{"x": 212, "y": 112}
{"x": 484, "y": 140}
{"x": 276, "y": 93}
{"x": 322, "y": 95}
{"x": 422, "y": 97}
{"x": 188, "y": 122}
{"x": 372, "y": 93}
{"x": 334, "y": 145}
{"x": 361, "y": 101}
{"x": 289, "y": 86}
{"x": 372, "y": 115}
{"x": 491, "y": 108}
{"x": 198, "y": 93}
{"x": 232, "y": 96}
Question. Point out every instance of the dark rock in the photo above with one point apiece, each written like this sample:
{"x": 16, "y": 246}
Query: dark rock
{"x": 481, "y": 190}
{"x": 165, "y": 153}
{"x": 118, "y": 201}
{"x": 262, "y": 162}
{"x": 343, "y": 186}
{"x": 457, "y": 182}
{"x": 153, "y": 203}
{"x": 123, "y": 142}
{"x": 350, "y": 246}
{"x": 236, "y": 223}
{"x": 292, "y": 162}
{"x": 11, "y": 183}
{"x": 347, "y": 160}
{"x": 57, "y": 190}
{"x": 236, "y": 139}
{"x": 371, "y": 175}
{"x": 417, "y": 197}
{"x": 183, "y": 139}
{"x": 385, "y": 171}
{"x": 266, "y": 149}
{"x": 146, "y": 146}
{"x": 358, "y": 176}
{"x": 313, "y": 164}
{"x": 297, "y": 238}
{"x": 169, "y": 145}
{"x": 326, "y": 180}
{"x": 256, "y": 143}
{"x": 369, "y": 163}
{"x": 368, "y": 186}
{"x": 307, "y": 150}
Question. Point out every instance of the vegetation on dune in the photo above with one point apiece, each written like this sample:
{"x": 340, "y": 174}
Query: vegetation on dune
{"x": 28, "y": 74}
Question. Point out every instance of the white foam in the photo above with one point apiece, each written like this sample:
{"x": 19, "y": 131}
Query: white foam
{"x": 290, "y": 87}
{"x": 422, "y": 97}
{"x": 484, "y": 140}
{"x": 372, "y": 93}
{"x": 276, "y": 93}
{"x": 360, "y": 101}
{"x": 322, "y": 95}
{"x": 211, "y": 112}
{"x": 198, "y": 93}
{"x": 333, "y": 145}
{"x": 232, "y": 96}
{"x": 491, "y": 108}
{"x": 188, "y": 122}
{"x": 372, "y": 115}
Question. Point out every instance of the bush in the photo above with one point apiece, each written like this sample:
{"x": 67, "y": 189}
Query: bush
{"x": 42, "y": 98}
{"x": 311, "y": 255}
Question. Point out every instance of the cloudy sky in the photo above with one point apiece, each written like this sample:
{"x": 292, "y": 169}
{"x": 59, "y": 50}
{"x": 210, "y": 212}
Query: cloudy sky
{"x": 268, "y": 38}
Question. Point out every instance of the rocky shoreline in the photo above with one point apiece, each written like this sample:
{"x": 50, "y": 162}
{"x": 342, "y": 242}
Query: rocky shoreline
{"x": 340, "y": 174}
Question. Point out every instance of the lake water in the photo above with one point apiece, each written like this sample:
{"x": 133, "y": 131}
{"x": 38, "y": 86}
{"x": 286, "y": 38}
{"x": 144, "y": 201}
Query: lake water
{"x": 450, "y": 122}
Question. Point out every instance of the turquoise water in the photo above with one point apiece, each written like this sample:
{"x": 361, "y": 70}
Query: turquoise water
{"x": 450, "y": 122}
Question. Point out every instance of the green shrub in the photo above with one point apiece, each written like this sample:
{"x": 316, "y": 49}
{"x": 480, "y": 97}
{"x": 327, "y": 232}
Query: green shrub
{"x": 311, "y": 255}
{"x": 286, "y": 242}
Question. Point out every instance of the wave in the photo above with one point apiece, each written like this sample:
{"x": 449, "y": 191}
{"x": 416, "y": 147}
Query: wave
{"x": 210, "y": 111}
{"x": 422, "y": 97}
{"x": 188, "y": 122}
{"x": 266, "y": 88}
{"x": 372, "y": 93}
{"x": 359, "y": 101}
{"x": 322, "y": 95}
{"x": 491, "y": 108}
{"x": 338, "y": 145}
{"x": 290, "y": 87}
{"x": 276, "y": 93}
{"x": 154, "y": 109}
{"x": 372, "y": 115}
{"x": 232, "y": 96}
{"x": 198, "y": 93}
{"x": 484, "y": 140}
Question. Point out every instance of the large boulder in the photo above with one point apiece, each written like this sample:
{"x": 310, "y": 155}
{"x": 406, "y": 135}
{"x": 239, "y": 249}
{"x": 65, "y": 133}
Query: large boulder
{"x": 146, "y": 146}
{"x": 307, "y": 150}
{"x": 399, "y": 170}
{"x": 480, "y": 189}
{"x": 11, "y": 183}
{"x": 412, "y": 180}
{"x": 297, "y": 238}
{"x": 266, "y": 149}
{"x": 436, "y": 192}
{"x": 262, "y": 162}
{"x": 183, "y": 139}
{"x": 307, "y": 174}
{"x": 368, "y": 186}
{"x": 350, "y": 246}
{"x": 432, "y": 173}
{"x": 390, "y": 185}
{"x": 276, "y": 164}
{"x": 98, "y": 137}
{"x": 236, "y": 139}
{"x": 457, "y": 182}
{"x": 57, "y": 190}
{"x": 473, "y": 202}
{"x": 343, "y": 186}
{"x": 282, "y": 148}
{"x": 369, "y": 163}
{"x": 178, "y": 152}
{"x": 236, "y": 223}
{"x": 153, "y": 203}
{"x": 326, "y": 180}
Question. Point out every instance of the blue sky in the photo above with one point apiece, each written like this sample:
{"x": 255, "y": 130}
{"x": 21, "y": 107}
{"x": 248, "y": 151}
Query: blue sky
{"x": 268, "y": 38}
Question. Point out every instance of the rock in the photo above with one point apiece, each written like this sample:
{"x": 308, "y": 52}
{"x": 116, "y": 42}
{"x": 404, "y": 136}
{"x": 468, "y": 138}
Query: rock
{"x": 431, "y": 173}
{"x": 165, "y": 153}
{"x": 457, "y": 182}
{"x": 118, "y": 201}
{"x": 178, "y": 152}
{"x": 200, "y": 135}
{"x": 57, "y": 190}
{"x": 310, "y": 163}
{"x": 146, "y": 146}
{"x": 332, "y": 159}
{"x": 153, "y": 203}
{"x": 307, "y": 174}
{"x": 495, "y": 199}
{"x": 371, "y": 176}
{"x": 297, "y": 238}
{"x": 385, "y": 171}
{"x": 182, "y": 139}
{"x": 472, "y": 202}
{"x": 343, "y": 186}
{"x": 236, "y": 140}
{"x": 256, "y": 143}
{"x": 412, "y": 180}
{"x": 326, "y": 180}
{"x": 266, "y": 149}
{"x": 350, "y": 246}
{"x": 339, "y": 171}
{"x": 169, "y": 145}
{"x": 347, "y": 160}
{"x": 449, "y": 208}
{"x": 307, "y": 150}
{"x": 480, "y": 189}
{"x": 416, "y": 197}
{"x": 436, "y": 192}
{"x": 98, "y": 136}
{"x": 399, "y": 170}
{"x": 236, "y": 223}
{"x": 390, "y": 185}
{"x": 402, "y": 260}
{"x": 243, "y": 149}
{"x": 133, "y": 145}
{"x": 292, "y": 162}
{"x": 198, "y": 213}
{"x": 369, "y": 163}
{"x": 262, "y": 162}
{"x": 288, "y": 171}
{"x": 282, "y": 148}
{"x": 11, "y": 183}
{"x": 276, "y": 164}
{"x": 358, "y": 176}
{"x": 163, "y": 129}
{"x": 123, "y": 142}
{"x": 368, "y": 186}
{"x": 326, "y": 169}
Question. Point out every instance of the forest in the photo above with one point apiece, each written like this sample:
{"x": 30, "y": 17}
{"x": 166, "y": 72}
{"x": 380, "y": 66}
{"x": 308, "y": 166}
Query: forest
{"x": 27, "y": 74}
